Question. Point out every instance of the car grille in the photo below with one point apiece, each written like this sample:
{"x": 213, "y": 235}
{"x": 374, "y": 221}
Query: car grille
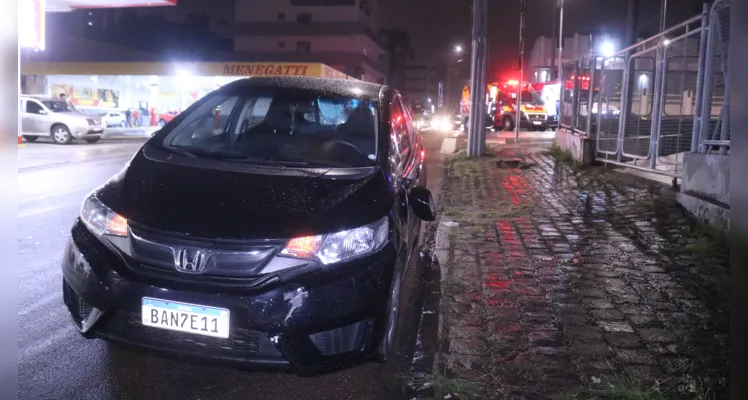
{"x": 241, "y": 342}
{"x": 159, "y": 252}
{"x": 92, "y": 121}
{"x": 537, "y": 117}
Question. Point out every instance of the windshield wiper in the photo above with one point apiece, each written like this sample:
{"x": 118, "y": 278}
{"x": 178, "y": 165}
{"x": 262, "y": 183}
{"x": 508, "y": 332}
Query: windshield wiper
{"x": 183, "y": 152}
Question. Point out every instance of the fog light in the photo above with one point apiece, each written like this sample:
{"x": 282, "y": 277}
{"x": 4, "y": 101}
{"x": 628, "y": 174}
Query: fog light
{"x": 341, "y": 340}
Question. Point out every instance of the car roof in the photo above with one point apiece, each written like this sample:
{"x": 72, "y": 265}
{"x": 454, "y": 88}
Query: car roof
{"x": 340, "y": 87}
{"x": 39, "y": 97}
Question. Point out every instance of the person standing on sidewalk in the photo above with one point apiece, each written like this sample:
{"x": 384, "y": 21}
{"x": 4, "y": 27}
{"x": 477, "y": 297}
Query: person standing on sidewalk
{"x": 136, "y": 117}
{"x": 128, "y": 118}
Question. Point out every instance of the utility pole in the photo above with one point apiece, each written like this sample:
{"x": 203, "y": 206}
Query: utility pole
{"x": 518, "y": 102}
{"x": 663, "y": 14}
{"x": 560, "y": 37}
{"x": 477, "y": 117}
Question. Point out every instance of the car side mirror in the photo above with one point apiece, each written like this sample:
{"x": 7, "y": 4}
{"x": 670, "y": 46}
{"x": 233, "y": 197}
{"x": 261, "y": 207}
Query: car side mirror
{"x": 43, "y": 112}
{"x": 422, "y": 203}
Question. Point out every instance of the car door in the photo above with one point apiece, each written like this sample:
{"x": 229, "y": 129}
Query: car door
{"x": 400, "y": 149}
{"x": 412, "y": 174}
{"x": 34, "y": 118}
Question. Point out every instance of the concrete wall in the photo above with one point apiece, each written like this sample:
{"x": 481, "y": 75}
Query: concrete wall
{"x": 705, "y": 187}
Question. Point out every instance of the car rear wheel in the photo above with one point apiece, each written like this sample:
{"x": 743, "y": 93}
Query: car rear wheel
{"x": 385, "y": 350}
{"x": 30, "y": 138}
{"x": 92, "y": 140}
{"x": 61, "y": 134}
{"x": 122, "y": 124}
{"x": 161, "y": 122}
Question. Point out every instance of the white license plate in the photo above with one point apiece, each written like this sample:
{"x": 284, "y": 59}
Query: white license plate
{"x": 183, "y": 317}
{"x": 536, "y": 122}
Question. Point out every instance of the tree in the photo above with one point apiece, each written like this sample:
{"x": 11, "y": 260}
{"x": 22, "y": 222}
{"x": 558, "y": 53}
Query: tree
{"x": 398, "y": 51}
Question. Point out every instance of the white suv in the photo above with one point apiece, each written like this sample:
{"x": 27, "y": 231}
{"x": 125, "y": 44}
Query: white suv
{"x": 51, "y": 116}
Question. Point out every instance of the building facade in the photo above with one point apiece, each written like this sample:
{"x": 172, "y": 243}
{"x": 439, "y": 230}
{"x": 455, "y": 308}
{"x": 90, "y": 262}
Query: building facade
{"x": 340, "y": 33}
{"x": 421, "y": 82}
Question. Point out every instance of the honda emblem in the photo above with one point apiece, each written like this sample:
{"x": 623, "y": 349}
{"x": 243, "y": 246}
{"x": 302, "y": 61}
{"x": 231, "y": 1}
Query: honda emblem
{"x": 190, "y": 261}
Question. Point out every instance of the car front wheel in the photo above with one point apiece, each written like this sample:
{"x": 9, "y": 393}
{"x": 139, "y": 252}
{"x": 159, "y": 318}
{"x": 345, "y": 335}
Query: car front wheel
{"x": 61, "y": 134}
{"x": 386, "y": 348}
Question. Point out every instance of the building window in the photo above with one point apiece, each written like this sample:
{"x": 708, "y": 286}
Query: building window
{"x": 303, "y": 47}
{"x": 304, "y": 17}
{"x": 282, "y": 45}
{"x": 281, "y": 15}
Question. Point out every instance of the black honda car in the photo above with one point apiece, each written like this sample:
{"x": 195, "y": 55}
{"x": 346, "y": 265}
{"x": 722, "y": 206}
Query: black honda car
{"x": 270, "y": 224}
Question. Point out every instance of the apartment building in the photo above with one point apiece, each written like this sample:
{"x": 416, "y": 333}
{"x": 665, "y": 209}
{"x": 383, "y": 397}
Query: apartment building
{"x": 340, "y": 33}
{"x": 421, "y": 82}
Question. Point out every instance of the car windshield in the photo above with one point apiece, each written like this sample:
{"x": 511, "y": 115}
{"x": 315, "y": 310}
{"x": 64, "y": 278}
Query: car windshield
{"x": 58, "y": 106}
{"x": 279, "y": 126}
{"x": 532, "y": 97}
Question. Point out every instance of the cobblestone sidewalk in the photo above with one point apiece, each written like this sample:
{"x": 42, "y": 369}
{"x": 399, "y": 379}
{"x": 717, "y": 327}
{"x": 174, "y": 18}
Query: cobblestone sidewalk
{"x": 561, "y": 283}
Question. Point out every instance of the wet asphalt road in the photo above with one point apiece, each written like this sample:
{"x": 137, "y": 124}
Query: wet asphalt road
{"x": 54, "y": 362}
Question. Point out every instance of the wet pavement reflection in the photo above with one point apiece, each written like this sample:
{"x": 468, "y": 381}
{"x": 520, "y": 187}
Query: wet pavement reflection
{"x": 563, "y": 281}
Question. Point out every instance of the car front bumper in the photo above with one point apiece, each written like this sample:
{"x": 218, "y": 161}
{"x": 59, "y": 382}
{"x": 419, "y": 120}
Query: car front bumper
{"x": 316, "y": 320}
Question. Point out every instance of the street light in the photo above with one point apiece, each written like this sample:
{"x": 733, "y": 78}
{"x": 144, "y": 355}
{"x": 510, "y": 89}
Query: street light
{"x": 607, "y": 49}
{"x": 458, "y": 49}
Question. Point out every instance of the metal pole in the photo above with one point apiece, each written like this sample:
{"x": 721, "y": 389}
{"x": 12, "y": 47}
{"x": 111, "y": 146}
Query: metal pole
{"x": 480, "y": 144}
{"x": 560, "y": 38}
{"x": 477, "y": 116}
{"x": 591, "y": 98}
{"x": 663, "y": 15}
{"x": 518, "y": 103}
{"x": 700, "y": 79}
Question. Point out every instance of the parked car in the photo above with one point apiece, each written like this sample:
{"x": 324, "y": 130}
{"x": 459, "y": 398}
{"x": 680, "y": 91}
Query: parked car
{"x": 165, "y": 118}
{"x": 270, "y": 224}
{"x": 114, "y": 118}
{"x": 54, "y": 117}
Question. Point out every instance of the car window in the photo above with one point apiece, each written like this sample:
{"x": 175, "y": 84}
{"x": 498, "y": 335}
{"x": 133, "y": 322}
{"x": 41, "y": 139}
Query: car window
{"x": 298, "y": 126}
{"x": 32, "y": 107}
{"x": 57, "y": 105}
{"x": 409, "y": 124}
{"x": 400, "y": 130}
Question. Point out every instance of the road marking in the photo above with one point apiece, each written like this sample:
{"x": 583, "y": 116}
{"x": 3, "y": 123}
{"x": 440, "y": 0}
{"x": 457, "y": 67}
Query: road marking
{"x": 48, "y": 209}
{"x": 448, "y": 146}
{"x": 39, "y": 303}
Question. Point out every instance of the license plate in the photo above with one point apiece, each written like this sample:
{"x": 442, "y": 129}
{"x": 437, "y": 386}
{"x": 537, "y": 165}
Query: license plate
{"x": 183, "y": 317}
{"x": 536, "y": 122}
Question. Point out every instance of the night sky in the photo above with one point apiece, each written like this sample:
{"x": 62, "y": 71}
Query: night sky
{"x": 436, "y": 26}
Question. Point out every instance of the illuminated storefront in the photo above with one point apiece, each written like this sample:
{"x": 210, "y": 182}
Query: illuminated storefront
{"x": 163, "y": 86}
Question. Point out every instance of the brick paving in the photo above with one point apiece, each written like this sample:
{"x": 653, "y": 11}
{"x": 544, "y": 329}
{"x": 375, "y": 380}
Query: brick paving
{"x": 560, "y": 283}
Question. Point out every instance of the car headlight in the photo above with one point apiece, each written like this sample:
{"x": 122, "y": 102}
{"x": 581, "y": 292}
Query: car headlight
{"x": 340, "y": 246}
{"x": 101, "y": 220}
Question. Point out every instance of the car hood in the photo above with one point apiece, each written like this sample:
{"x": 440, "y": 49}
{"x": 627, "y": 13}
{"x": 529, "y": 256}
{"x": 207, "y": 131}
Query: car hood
{"x": 76, "y": 114}
{"x": 244, "y": 203}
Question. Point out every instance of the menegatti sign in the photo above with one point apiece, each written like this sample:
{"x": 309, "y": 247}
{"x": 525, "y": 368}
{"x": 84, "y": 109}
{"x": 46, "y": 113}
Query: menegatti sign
{"x": 266, "y": 69}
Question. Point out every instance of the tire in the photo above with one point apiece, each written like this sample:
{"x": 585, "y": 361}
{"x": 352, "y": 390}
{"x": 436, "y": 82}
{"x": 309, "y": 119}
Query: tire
{"x": 507, "y": 123}
{"x": 122, "y": 124}
{"x": 92, "y": 140}
{"x": 385, "y": 349}
{"x": 161, "y": 122}
{"x": 61, "y": 134}
{"x": 30, "y": 139}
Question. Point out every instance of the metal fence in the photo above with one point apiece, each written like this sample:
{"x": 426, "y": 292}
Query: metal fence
{"x": 649, "y": 104}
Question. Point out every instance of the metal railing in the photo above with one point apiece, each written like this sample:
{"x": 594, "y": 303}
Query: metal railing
{"x": 712, "y": 125}
{"x": 650, "y": 103}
